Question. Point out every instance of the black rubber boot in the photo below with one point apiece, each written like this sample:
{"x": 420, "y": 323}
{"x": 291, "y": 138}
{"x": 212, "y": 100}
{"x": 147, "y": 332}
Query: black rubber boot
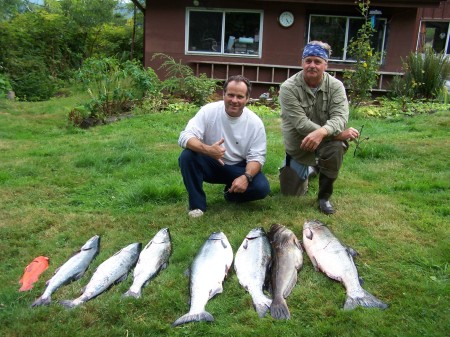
{"x": 325, "y": 192}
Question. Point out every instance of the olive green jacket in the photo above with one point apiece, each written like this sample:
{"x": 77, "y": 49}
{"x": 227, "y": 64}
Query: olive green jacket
{"x": 302, "y": 112}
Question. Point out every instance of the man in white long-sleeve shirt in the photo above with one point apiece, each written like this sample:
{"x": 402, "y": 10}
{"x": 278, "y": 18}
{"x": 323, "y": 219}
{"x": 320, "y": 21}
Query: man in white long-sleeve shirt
{"x": 224, "y": 143}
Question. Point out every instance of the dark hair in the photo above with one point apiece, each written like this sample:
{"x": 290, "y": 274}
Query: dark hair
{"x": 238, "y": 78}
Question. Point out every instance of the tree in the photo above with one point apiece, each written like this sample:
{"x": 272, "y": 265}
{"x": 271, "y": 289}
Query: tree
{"x": 89, "y": 16}
{"x": 361, "y": 79}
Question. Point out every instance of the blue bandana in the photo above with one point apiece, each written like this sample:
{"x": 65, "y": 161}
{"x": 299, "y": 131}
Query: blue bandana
{"x": 315, "y": 50}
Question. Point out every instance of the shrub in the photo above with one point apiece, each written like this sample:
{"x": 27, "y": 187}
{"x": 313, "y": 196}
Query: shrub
{"x": 5, "y": 85}
{"x": 424, "y": 76}
{"x": 31, "y": 79}
{"x": 115, "y": 86}
{"x": 181, "y": 81}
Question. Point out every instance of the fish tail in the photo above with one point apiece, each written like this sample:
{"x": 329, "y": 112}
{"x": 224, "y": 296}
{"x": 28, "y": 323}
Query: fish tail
{"x": 68, "y": 304}
{"x": 367, "y": 301}
{"x": 26, "y": 286}
{"x": 42, "y": 301}
{"x": 280, "y": 310}
{"x": 202, "y": 316}
{"x": 131, "y": 293}
{"x": 262, "y": 305}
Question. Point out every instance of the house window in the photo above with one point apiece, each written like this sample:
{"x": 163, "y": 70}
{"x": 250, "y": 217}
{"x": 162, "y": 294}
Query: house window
{"x": 435, "y": 35}
{"x": 338, "y": 31}
{"x": 223, "y": 32}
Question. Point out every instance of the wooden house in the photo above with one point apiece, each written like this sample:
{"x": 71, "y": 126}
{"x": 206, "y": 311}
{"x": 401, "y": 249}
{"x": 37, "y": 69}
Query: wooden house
{"x": 264, "y": 39}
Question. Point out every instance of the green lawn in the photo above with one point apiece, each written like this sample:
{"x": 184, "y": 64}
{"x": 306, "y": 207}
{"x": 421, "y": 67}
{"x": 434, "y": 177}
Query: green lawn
{"x": 59, "y": 186}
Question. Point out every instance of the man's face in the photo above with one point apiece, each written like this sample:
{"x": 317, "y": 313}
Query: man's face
{"x": 313, "y": 69}
{"x": 235, "y": 98}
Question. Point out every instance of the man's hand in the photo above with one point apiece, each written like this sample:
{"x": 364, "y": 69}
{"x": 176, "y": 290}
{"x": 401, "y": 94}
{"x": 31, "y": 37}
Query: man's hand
{"x": 348, "y": 134}
{"x": 312, "y": 141}
{"x": 239, "y": 185}
{"x": 216, "y": 151}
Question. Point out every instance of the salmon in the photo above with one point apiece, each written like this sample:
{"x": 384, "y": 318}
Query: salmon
{"x": 287, "y": 260}
{"x": 208, "y": 271}
{"x": 335, "y": 260}
{"x": 32, "y": 272}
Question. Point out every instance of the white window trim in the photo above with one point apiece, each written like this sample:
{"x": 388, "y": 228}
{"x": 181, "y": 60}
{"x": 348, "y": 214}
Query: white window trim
{"x": 223, "y": 11}
{"x": 447, "y": 42}
{"x": 346, "y": 41}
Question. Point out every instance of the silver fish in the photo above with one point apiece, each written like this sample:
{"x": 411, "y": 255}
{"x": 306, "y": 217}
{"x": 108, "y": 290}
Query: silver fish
{"x": 208, "y": 270}
{"x": 335, "y": 260}
{"x": 251, "y": 263}
{"x": 153, "y": 258}
{"x": 112, "y": 271}
{"x": 287, "y": 261}
{"x": 73, "y": 269}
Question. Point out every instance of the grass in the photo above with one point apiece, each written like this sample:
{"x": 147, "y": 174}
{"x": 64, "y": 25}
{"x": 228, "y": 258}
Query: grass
{"x": 59, "y": 186}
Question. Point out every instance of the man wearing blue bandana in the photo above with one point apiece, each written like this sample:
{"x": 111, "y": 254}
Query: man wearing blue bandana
{"x": 314, "y": 112}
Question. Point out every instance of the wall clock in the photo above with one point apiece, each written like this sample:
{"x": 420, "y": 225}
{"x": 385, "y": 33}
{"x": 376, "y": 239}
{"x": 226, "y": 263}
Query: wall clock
{"x": 286, "y": 19}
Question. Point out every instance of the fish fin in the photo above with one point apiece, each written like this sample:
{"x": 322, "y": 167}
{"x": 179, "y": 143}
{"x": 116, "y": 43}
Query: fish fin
{"x": 224, "y": 245}
{"x": 122, "y": 278}
{"x": 297, "y": 244}
{"x": 361, "y": 281}
{"x": 290, "y": 285}
{"x": 262, "y": 306}
{"x": 216, "y": 291}
{"x": 164, "y": 266}
{"x": 68, "y": 304}
{"x": 41, "y": 301}
{"x": 202, "y": 316}
{"x": 351, "y": 251}
{"x": 280, "y": 310}
{"x": 309, "y": 234}
{"x": 314, "y": 262}
{"x": 367, "y": 301}
{"x": 131, "y": 293}
{"x": 245, "y": 244}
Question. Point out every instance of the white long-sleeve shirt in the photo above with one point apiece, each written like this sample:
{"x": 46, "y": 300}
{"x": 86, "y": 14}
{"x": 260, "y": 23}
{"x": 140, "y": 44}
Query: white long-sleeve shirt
{"x": 245, "y": 136}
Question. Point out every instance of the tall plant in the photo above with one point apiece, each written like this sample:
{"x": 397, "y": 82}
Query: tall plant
{"x": 181, "y": 81}
{"x": 361, "y": 79}
{"x": 424, "y": 75}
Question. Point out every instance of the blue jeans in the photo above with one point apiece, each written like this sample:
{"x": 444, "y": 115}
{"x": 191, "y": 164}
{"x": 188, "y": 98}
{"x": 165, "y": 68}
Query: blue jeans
{"x": 197, "y": 168}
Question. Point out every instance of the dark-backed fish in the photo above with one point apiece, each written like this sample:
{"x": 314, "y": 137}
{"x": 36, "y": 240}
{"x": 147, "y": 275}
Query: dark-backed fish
{"x": 287, "y": 259}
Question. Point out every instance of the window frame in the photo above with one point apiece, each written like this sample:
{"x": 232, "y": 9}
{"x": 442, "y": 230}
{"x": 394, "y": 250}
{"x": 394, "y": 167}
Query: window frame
{"x": 346, "y": 38}
{"x": 222, "y": 52}
{"x": 421, "y": 44}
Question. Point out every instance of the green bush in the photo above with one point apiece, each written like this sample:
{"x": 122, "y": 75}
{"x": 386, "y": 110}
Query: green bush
{"x": 182, "y": 82}
{"x": 424, "y": 76}
{"x": 5, "y": 85}
{"x": 115, "y": 87}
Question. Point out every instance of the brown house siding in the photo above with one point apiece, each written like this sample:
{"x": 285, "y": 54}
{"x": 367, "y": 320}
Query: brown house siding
{"x": 165, "y": 26}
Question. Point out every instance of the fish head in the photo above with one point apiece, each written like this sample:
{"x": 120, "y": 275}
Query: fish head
{"x": 133, "y": 248}
{"x": 220, "y": 236}
{"x": 312, "y": 227}
{"x": 274, "y": 230}
{"x": 256, "y": 233}
{"x": 162, "y": 236}
{"x": 92, "y": 243}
